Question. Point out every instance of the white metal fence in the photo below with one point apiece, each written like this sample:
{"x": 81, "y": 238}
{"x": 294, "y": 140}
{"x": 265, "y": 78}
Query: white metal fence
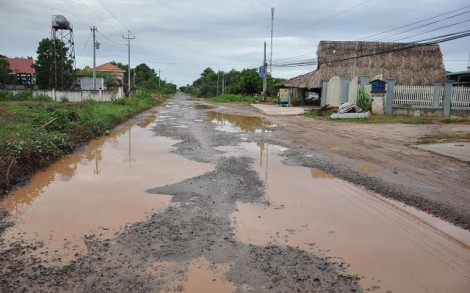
{"x": 424, "y": 96}
{"x": 460, "y": 97}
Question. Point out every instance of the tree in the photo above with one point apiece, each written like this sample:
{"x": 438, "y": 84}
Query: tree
{"x": 62, "y": 76}
{"x": 6, "y": 76}
{"x": 146, "y": 78}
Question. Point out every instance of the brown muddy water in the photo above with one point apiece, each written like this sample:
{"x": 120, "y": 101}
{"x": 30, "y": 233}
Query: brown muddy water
{"x": 393, "y": 248}
{"x": 236, "y": 123}
{"x": 97, "y": 191}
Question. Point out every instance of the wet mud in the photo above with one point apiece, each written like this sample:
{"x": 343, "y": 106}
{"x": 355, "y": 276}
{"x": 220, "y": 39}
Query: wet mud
{"x": 177, "y": 246}
{"x": 235, "y": 211}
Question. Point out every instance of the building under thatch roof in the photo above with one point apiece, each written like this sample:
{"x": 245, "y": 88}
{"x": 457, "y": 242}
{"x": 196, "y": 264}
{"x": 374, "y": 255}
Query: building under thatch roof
{"x": 407, "y": 63}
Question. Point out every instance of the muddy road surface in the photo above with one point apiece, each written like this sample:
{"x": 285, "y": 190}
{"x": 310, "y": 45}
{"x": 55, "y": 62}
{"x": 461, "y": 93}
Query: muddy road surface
{"x": 192, "y": 197}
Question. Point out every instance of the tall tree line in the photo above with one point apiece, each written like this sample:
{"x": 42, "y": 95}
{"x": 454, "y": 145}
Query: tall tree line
{"x": 245, "y": 82}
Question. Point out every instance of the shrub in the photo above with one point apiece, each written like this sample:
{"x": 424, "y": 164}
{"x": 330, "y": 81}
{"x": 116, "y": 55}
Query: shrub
{"x": 363, "y": 100}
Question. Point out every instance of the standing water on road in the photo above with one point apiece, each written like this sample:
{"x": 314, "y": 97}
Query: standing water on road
{"x": 392, "y": 248}
{"x": 97, "y": 191}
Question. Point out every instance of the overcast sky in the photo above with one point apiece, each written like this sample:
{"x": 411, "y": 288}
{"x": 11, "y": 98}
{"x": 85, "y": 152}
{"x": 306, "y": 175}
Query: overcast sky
{"x": 183, "y": 37}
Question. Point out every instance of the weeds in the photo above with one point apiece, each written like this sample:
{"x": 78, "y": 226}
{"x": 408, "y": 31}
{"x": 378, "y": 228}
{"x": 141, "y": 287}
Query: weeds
{"x": 35, "y": 132}
{"x": 347, "y": 276}
{"x": 444, "y": 137}
{"x": 363, "y": 100}
{"x": 229, "y": 98}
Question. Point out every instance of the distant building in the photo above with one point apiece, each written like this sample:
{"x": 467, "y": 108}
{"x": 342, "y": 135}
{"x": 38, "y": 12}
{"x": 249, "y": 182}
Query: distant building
{"x": 110, "y": 69}
{"x": 460, "y": 77}
{"x": 23, "y": 69}
{"x": 86, "y": 83}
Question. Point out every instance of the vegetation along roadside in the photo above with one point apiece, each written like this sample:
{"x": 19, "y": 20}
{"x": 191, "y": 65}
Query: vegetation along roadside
{"x": 35, "y": 132}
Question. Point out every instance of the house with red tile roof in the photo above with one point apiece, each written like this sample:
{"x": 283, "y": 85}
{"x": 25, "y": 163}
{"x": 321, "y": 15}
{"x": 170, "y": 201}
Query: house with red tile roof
{"x": 109, "y": 68}
{"x": 23, "y": 69}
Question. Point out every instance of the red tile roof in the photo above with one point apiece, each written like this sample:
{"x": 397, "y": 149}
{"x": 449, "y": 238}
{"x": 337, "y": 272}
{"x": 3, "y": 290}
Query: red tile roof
{"x": 109, "y": 67}
{"x": 21, "y": 65}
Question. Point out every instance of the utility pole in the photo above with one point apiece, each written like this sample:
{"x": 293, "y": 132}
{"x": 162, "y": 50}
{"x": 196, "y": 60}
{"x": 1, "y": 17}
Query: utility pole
{"x": 218, "y": 79}
{"x": 223, "y": 84}
{"x": 93, "y": 29}
{"x": 159, "y": 78}
{"x": 128, "y": 60}
{"x": 265, "y": 77}
{"x": 271, "y": 53}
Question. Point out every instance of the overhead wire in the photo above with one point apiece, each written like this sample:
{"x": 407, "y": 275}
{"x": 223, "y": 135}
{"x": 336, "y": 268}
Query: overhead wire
{"x": 413, "y": 23}
{"x": 86, "y": 43}
{"x": 109, "y": 11}
{"x": 386, "y": 50}
{"x": 421, "y": 26}
{"x": 325, "y": 19}
{"x": 429, "y": 31}
{"x": 307, "y": 62}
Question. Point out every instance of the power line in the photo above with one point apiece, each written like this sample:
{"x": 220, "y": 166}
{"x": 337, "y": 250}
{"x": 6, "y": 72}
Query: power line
{"x": 433, "y": 30}
{"x": 112, "y": 41}
{"x": 421, "y": 26}
{"x": 109, "y": 11}
{"x": 413, "y": 23}
{"x": 326, "y": 19}
{"x": 86, "y": 43}
{"x": 386, "y": 50}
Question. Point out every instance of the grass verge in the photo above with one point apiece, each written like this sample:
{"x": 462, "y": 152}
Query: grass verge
{"x": 34, "y": 133}
{"x": 228, "y": 98}
{"x": 444, "y": 137}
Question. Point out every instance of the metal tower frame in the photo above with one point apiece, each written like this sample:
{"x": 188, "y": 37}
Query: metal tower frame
{"x": 62, "y": 30}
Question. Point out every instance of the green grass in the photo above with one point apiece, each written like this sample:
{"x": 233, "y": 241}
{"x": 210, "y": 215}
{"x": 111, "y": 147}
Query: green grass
{"x": 34, "y": 133}
{"x": 443, "y": 137}
{"x": 229, "y": 98}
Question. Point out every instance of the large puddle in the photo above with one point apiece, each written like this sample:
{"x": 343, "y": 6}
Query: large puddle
{"x": 97, "y": 191}
{"x": 237, "y": 123}
{"x": 392, "y": 248}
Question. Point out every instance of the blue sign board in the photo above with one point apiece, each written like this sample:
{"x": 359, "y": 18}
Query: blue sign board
{"x": 262, "y": 72}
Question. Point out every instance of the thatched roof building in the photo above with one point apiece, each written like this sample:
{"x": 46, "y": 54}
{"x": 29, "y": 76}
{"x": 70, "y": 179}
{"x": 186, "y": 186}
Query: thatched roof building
{"x": 407, "y": 63}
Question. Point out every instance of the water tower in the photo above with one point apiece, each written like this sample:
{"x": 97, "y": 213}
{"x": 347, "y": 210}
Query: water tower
{"x": 61, "y": 31}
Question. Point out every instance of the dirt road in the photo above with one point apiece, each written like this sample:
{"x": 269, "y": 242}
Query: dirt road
{"x": 190, "y": 198}
{"x": 381, "y": 158}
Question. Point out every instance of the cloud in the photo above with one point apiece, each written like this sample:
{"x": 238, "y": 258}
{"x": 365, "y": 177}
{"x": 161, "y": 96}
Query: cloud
{"x": 184, "y": 37}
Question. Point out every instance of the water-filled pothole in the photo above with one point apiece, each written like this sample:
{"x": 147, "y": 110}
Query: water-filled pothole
{"x": 203, "y": 107}
{"x": 97, "y": 191}
{"x": 392, "y": 247}
{"x": 238, "y": 123}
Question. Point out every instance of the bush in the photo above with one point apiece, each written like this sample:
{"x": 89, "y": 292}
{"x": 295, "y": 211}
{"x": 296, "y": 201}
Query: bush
{"x": 35, "y": 133}
{"x": 363, "y": 100}
{"x": 229, "y": 98}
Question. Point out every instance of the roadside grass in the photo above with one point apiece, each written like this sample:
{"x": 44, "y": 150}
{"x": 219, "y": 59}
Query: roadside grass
{"x": 34, "y": 133}
{"x": 444, "y": 137}
{"x": 229, "y": 98}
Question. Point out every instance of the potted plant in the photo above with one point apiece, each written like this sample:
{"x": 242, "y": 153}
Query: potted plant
{"x": 296, "y": 102}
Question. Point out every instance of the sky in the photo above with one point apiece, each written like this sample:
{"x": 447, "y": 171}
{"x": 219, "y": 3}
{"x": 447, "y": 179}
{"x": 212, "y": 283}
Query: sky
{"x": 181, "y": 38}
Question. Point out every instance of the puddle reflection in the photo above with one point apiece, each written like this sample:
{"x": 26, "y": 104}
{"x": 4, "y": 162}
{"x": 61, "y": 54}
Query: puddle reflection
{"x": 97, "y": 191}
{"x": 394, "y": 248}
{"x": 236, "y": 123}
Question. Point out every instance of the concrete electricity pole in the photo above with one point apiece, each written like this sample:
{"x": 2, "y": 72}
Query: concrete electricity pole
{"x": 159, "y": 78}
{"x": 271, "y": 53}
{"x": 218, "y": 80}
{"x": 265, "y": 77}
{"x": 93, "y": 29}
{"x": 128, "y": 60}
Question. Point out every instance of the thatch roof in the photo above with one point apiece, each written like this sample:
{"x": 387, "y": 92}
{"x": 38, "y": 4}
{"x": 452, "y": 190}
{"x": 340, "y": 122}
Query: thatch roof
{"x": 407, "y": 63}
